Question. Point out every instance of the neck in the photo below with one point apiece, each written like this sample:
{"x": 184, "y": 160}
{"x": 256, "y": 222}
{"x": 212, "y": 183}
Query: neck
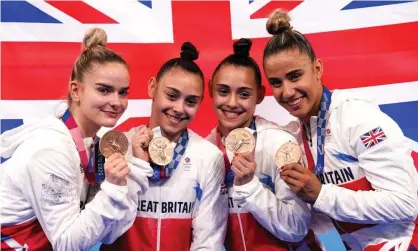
{"x": 225, "y": 131}
{"x": 87, "y": 127}
{"x": 172, "y": 137}
{"x": 315, "y": 109}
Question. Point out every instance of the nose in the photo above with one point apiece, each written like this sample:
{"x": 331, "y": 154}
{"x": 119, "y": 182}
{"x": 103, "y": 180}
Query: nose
{"x": 115, "y": 100}
{"x": 232, "y": 101}
{"x": 179, "y": 106}
{"x": 288, "y": 91}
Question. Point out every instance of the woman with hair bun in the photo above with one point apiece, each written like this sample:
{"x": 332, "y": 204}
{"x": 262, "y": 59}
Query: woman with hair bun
{"x": 57, "y": 193}
{"x": 264, "y": 213}
{"x": 360, "y": 174}
{"x": 185, "y": 207}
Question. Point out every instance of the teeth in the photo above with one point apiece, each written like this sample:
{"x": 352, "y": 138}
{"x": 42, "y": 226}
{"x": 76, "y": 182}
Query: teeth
{"x": 295, "y": 102}
{"x": 175, "y": 119}
{"x": 231, "y": 114}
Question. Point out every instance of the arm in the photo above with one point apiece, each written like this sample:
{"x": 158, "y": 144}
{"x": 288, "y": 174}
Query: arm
{"x": 209, "y": 222}
{"x": 53, "y": 189}
{"x": 137, "y": 185}
{"x": 388, "y": 166}
{"x": 282, "y": 213}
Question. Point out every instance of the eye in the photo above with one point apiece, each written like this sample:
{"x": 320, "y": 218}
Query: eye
{"x": 244, "y": 95}
{"x": 191, "y": 102}
{"x": 104, "y": 90}
{"x": 171, "y": 96}
{"x": 124, "y": 93}
{"x": 275, "y": 82}
{"x": 294, "y": 77}
{"x": 222, "y": 91}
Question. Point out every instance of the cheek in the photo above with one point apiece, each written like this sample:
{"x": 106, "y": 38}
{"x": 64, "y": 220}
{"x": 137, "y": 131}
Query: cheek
{"x": 218, "y": 100}
{"x": 276, "y": 93}
{"x": 161, "y": 102}
{"x": 124, "y": 103}
{"x": 191, "y": 111}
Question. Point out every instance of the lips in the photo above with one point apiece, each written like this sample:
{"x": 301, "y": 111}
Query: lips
{"x": 295, "y": 102}
{"x": 174, "y": 119}
{"x": 231, "y": 115}
{"x": 111, "y": 114}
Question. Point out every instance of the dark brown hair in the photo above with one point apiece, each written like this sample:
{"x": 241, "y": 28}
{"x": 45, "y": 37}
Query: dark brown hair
{"x": 241, "y": 57}
{"x": 188, "y": 55}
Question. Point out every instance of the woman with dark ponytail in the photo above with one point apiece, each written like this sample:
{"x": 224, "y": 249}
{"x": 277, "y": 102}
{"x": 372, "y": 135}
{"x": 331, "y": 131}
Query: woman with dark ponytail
{"x": 184, "y": 208}
{"x": 264, "y": 213}
{"x": 360, "y": 176}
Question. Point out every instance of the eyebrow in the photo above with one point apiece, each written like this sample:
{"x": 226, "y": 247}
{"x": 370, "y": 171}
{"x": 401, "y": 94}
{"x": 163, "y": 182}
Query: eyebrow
{"x": 293, "y": 72}
{"x": 178, "y": 93}
{"x": 240, "y": 88}
{"x": 110, "y": 86}
{"x": 274, "y": 79}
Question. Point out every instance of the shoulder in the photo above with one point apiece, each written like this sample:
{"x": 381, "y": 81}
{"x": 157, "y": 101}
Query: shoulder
{"x": 270, "y": 134}
{"x": 355, "y": 113}
{"x": 203, "y": 148}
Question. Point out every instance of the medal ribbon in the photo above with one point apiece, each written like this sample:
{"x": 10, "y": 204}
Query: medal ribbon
{"x": 320, "y": 132}
{"x": 164, "y": 172}
{"x": 229, "y": 174}
{"x": 92, "y": 163}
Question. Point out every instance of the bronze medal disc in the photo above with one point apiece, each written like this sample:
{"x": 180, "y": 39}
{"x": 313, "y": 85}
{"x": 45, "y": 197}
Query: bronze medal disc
{"x": 161, "y": 151}
{"x": 240, "y": 140}
{"x": 288, "y": 153}
{"x": 113, "y": 142}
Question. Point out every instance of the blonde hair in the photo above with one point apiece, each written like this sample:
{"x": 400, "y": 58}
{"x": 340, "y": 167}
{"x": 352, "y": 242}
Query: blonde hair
{"x": 95, "y": 52}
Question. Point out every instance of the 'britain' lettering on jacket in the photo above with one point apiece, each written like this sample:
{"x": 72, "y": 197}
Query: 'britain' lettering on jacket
{"x": 336, "y": 177}
{"x": 165, "y": 207}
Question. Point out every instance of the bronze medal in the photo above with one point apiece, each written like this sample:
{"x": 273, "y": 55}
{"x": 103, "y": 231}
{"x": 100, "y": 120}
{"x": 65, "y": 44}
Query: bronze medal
{"x": 113, "y": 142}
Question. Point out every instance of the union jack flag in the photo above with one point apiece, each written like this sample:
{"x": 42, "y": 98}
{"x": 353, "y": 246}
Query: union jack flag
{"x": 373, "y": 137}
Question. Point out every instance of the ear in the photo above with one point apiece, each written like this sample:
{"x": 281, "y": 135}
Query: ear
{"x": 152, "y": 87}
{"x": 210, "y": 85}
{"x": 75, "y": 91}
{"x": 261, "y": 94}
{"x": 319, "y": 68}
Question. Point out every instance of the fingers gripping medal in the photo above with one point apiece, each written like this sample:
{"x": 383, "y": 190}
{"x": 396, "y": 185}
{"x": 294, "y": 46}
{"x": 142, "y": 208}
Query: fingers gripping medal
{"x": 113, "y": 142}
{"x": 289, "y": 152}
{"x": 160, "y": 149}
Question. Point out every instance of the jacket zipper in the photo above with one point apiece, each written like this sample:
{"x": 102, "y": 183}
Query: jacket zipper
{"x": 242, "y": 231}
{"x": 159, "y": 222}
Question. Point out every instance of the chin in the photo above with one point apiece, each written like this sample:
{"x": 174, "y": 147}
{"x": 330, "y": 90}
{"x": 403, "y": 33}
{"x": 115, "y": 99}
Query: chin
{"x": 231, "y": 125}
{"x": 299, "y": 113}
{"x": 108, "y": 122}
{"x": 171, "y": 130}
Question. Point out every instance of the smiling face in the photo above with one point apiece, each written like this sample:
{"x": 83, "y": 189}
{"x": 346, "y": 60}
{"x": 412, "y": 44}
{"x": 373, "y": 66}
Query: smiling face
{"x": 235, "y": 95}
{"x": 176, "y": 98}
{"x": 101, "y": 97}
{"x": 295, "y": 81}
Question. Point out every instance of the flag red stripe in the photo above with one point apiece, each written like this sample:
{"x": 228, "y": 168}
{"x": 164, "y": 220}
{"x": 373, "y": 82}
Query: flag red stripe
{"x": 82, "y": 12}
{"x": 267, "y": 9}
{"x": 39, "y": 70}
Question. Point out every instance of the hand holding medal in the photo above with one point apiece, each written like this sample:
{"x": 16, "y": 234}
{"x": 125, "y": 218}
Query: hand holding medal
{"x": 140, "y": 143}
{"x": 241, "y": 142}
{"x": 114, "y": 145}
{"x": 300, "y": 179}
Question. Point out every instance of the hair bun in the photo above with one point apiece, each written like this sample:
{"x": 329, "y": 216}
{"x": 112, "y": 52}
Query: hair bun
{"x": 278, "y": 22}
{"x": 189, "y": 51}
{"x": 242, "y": 47}
{"x": 95, "y": 37}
